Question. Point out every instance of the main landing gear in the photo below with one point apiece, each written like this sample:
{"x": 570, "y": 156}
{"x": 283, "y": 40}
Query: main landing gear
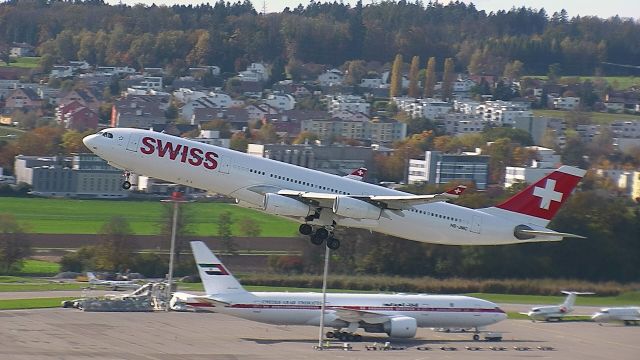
{"x": 343, "y": 336}
{"x": 319, "y": 236}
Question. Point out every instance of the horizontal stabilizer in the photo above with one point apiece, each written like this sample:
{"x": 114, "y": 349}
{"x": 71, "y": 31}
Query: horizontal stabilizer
{"x": 549, "y": 233}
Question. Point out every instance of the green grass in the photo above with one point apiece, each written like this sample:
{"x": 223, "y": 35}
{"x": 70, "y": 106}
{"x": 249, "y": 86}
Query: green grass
{"x": 8, "y": 130}
{"x": 40, "y": 268}
{"x": 596, "y": 117}
{"x": 625, "y": 299}
{"x": 23, "y": 62}
{"x": 40, "y": 303}
{"x": 66, "y": 216}
{"x": 617, "y": 82}
{"x": 41, "y": 286}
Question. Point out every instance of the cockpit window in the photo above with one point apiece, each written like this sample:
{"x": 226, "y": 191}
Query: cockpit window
{"x": 107, "y": 135}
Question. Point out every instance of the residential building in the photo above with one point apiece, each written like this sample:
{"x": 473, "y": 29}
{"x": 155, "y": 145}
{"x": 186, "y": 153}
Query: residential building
{"x": 140, "y": 111}
{"x": 439, "y": 168}
{"x": 256, "y": 72}
{"x": 384, "y": 130}
{"x": 76, "y": 116}
{"x": 333, "y": 159}
{"x": 85, "y": 97}
{"x": 423, "y": 108}
{"x": 212, "y": 137}
{"x": 502, "y": 113}
{"x": 281, "y": 101}
{"x": 331, "y": 77}
{"x": 237, "y": 118}
{"x": 546, "y": 162}
{"x": 23, "y": 98}
{"x": 211, "y": 100}
{"x": 351, "y": 103}
{"x": 566, "y": 103}
{"x": 83, "y": 175}
{"x": 460, "y": 124}
{"x": 21, "y": 50}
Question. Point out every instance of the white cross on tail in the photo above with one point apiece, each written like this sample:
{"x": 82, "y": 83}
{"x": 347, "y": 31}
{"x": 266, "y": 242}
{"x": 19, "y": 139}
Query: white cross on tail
{"x": 547, "y": 194}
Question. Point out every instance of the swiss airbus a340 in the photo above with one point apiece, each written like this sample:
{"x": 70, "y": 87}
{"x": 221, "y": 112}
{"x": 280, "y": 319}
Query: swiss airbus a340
{"x": 322, "y": 201}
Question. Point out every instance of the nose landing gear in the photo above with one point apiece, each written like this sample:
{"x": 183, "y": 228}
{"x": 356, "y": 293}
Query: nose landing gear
{"x": 126, "y": 185}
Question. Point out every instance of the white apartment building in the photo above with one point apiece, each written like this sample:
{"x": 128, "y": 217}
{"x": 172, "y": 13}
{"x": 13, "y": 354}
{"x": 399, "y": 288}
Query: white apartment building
{"x": 351, "y": 103}
{"x": 566, "y": 103}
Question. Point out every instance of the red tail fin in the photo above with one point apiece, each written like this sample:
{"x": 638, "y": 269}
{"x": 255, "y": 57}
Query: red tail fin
{"x": 544, "y": 198}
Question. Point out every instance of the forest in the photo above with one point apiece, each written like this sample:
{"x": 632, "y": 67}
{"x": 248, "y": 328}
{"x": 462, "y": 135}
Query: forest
{"x": 232, "y": 35}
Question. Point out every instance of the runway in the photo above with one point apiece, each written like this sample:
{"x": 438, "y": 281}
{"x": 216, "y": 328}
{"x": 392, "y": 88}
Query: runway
{"x": 74, "y": 335}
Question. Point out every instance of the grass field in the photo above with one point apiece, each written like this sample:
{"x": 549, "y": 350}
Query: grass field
{"x": 23, "y": 62}
{"x": 11, "y": 131}
{"x": 40, "y": 268}
{"x": 40, "y": 303}
{"x": 597, "y": 117}
{"x": 617, "y": 82}
{"x": 65, "y": 216}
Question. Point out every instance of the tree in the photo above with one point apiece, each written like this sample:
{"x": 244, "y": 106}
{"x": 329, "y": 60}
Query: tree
{"x": 14, "y": 246}
{"x": 224, "y": 222}
{"x": 115, "y": 250}
{"x": 395, "y": 88}
{"x": 513, "y": 70}
{"x": 305, "y": 137}
{"x": 355, "y": 72}
{"x": 249, "y": 227}
{"x": 72, "y": 142}
{"x": 447, "y": 79}
{"x": 430, "y": 78}
{"x": 414, "y": 71}
{"x": 239, "y": 142}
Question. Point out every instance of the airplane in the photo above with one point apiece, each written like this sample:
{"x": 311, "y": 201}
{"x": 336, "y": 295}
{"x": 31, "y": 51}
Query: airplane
{"x": 555, "y": 312}
{"x": 114, "y": 284}
{"x": 626, "y": 315}
{"x": 321, "y": 201}
{"x": 357, "y": 174}
{"x": 397, "y": 315}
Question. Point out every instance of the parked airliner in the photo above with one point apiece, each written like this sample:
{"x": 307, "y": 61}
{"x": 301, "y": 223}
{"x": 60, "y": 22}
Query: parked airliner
{"x": 397, "y": 315}
{"x": 629, "y": 315}
{"x": 322, "y": 201}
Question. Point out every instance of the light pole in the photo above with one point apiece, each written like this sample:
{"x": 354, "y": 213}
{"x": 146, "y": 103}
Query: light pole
{"x": 176, "y": 199}
{"x": 324, "y": 296}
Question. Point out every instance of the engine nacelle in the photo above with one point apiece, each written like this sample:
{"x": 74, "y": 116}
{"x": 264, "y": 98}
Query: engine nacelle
{"x": 401, "y": 327}
{"x": 353, "y": 208}
{"x": 285, "y": 206}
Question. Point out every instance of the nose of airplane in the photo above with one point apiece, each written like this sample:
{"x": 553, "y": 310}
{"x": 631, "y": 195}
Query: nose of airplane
{"x": 90, "y": 141}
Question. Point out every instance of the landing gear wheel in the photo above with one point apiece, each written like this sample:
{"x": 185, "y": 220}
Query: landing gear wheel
{"x": 322, "y": 233}
{"x": 126, "y": 185}
{"x": 316, "y": 240}
{"x": 330, "y": 335}
{"x": 305, "y": 229}
{"x": 333, "y": 243}
{"x": 476, "y": 337}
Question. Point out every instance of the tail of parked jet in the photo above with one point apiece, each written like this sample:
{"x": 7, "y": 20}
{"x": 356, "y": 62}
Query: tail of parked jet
{"x": 571, "y": 298}
{"x": 91, "y": 277}
{"x": 217, "y": 280}
{"x": 357, "y": 174}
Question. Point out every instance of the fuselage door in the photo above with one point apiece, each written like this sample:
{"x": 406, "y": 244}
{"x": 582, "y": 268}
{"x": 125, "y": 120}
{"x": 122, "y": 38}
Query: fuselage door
{"x": 476, "y": 224}
{"x": 223, "y": 164}
{"x": 134, "y": 142}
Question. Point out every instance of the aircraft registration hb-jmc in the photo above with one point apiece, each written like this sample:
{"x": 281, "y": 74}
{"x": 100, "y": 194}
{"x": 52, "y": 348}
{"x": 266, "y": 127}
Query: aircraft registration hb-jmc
{"x": 322, "y": 201}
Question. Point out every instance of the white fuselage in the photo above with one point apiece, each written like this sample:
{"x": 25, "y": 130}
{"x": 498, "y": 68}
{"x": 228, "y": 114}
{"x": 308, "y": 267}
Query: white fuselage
{"x": 238, "y": 175}
{"x": 283, "y": 308}
{"x": 628, "y": 315}
{"x": 545, "y": 313}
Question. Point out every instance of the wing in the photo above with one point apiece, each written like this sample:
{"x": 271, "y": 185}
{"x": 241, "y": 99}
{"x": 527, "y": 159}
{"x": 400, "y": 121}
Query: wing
{"x": 351, "y": 316}
{"x": 391, "y": 202}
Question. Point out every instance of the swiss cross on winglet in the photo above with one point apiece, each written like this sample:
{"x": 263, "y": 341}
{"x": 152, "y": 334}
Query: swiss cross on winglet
{"x": 457, "y": 191}
{"x": 543, "y": 198}
{"x": 357, "y": 174}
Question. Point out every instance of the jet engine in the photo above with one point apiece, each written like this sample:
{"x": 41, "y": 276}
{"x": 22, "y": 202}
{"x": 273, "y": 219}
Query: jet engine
{"x": 353, "y": 208}
{"x": 285, "y": 206}
{"x": 522, "y": 235}
{"x": 401, "y": 327}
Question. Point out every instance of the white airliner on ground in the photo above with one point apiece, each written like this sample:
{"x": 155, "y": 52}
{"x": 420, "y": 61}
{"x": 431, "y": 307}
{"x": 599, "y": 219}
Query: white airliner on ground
{"x": 114, "y": 284}
{"x": 626, "y": 315}
{"x": 555, "y": 312}
{"x": 397, "y": 315}
{"x": 322, "y": 201}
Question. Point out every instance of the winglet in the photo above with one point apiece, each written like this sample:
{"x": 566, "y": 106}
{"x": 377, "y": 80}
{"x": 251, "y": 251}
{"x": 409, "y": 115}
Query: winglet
{"x": 357, "y": 174}
{"x": 455, "y": 192}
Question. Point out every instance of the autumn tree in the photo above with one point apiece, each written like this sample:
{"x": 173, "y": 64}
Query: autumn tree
{"x": 225, "y": 222}
{"x": 249, "y": 227}
{"x": 14, "y": 246}
{"x": 414, "y": 71}
{"x": 239, "y": 142}
{"x": 356, "y": 70}
{"x": 447, "y": 79}
{"x": 430, "y": 78}
{"x": 115, "y": 250}
{"x": 395, "y": 88}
